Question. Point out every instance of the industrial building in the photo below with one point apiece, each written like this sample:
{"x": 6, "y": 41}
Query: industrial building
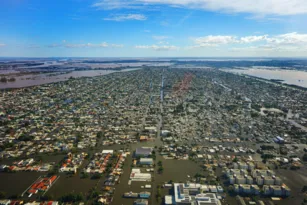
{"x": 143, "y": 151}
{"x": 136, "y": 175}
{"x": 188, "y": 194}
{"x": 146, "y": 161}
{"x": 169, "y": 200}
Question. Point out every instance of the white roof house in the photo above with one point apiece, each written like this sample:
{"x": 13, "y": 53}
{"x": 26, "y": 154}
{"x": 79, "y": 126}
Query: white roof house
{"x": 107, "y": 151}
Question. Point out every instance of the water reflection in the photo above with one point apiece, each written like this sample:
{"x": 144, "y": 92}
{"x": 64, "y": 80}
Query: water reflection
{"x": 39, "y": 79}
{"x": 293, "y": 77}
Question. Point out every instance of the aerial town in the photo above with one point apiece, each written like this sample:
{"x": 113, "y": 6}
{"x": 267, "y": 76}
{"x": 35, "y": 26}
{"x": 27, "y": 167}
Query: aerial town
{"x": 170, "y": 134}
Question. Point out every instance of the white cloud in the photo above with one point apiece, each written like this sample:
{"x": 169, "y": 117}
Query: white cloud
{"x": 289, "y": 42}
{"x": 118, "y": 4}
{"x": 254, "y": 48}
{"x": 258, "y": 7}
{"x": 2, "y": 44}
{"x": 158, "y": 48}
{"x": 249, "y": 48}
{"x": 283, "y": 42}
{"x": 160, "y": 38}
{"x": 126, "y": 17}
{"x": 289, "y": 38}
{"x": 163, "y": 42}
{"x": 251, "y": 39}
{"x": 202, "y": 45}
{"x": 87, "y": 45}
{"x": 79, "y": 45}
{"x": 215, "y": 40}
{"x": 269, "y": 48}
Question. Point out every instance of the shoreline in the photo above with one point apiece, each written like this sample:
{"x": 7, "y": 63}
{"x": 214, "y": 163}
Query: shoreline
{"x": 57, "y": 79}
{"x": 281, "y": 82}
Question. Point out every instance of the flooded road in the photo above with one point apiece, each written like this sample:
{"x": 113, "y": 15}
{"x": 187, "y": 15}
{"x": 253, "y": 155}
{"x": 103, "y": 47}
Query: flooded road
{"x": 176, "y": 170}
{"x": 288, "y": 118}
{"x": 39, "y": 79}
{"x": 16, "y": 183}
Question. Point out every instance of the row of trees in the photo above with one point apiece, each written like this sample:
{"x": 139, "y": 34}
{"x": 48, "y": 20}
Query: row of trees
{"x": 159, "y": 194}
{"x": 160, "y": 169}
{"x": 5, "y": 79}
{"x": 3, "y": 195}
{"x": 72, "y": 197}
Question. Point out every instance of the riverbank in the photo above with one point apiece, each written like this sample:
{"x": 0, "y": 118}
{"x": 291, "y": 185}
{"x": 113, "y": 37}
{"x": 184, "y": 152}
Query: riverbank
{"x": 22, "y": 81}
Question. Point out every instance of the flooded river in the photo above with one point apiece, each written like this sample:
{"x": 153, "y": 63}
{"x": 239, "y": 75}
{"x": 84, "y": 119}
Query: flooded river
{"x": 39, "y": 79}
{"x": 292, "y": 77}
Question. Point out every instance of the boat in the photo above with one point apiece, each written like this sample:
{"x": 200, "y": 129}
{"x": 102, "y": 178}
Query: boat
{"x": 131, "y": 195}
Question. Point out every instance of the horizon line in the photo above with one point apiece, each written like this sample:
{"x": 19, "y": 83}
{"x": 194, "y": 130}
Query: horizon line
{"x": 159, "y": 57}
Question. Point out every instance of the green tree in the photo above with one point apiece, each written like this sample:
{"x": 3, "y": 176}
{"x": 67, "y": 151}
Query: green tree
{"x": 46, "y": 197}
{"x": 94, "y": 193}
{"x": 3, "y": 79}
{"x": 79, "y": 197}
{"x": 72, "y": 197}
{"x": 161, "y": 169}
{"x": 78, "y": 137}
{"x": 160, "y": 163}
{"x": 96, "y": 176}
{"x": 197, "y": 175}
{"x": 84, "y": 175}
{"x": 159, "y": 193}
{"x": 99, "y": 134}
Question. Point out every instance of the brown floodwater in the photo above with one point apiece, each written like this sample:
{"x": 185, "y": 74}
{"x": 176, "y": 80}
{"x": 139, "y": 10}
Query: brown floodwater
{"x": 292, "y": 77}
{"x": 16, "y": 183}
{"x": 71, "y": 183}
{"x": 40, "y": 79}
{"x": 176, "y": 170}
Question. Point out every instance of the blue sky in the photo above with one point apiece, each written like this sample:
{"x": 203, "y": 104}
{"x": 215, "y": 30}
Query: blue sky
{"x": 153, "y": 28}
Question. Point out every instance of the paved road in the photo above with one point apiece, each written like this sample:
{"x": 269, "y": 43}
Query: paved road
{"x": 297, "y": 125}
